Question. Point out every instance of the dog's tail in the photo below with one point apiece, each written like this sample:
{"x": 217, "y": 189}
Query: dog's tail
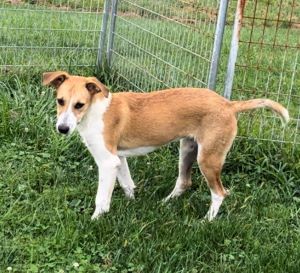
{"x": 242, "y": 106}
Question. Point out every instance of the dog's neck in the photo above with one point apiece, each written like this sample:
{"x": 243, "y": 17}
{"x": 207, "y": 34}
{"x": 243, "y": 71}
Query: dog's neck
{"x": 93, "y": 119}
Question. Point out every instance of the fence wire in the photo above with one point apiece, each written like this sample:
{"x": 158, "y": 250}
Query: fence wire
{"x": 268, "y": 66}
{"x": 48, "y": 34}
{"x": 162, "y": 44}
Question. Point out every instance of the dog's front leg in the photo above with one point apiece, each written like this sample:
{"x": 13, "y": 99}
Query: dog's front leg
{"x": 107, "y": 179}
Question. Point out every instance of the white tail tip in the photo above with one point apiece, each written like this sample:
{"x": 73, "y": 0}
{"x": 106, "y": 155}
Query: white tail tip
{"x": 285, "y": 116}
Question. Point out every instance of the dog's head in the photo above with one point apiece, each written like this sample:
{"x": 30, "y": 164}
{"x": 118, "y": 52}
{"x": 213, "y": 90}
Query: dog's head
{"x": 74, "y": 95}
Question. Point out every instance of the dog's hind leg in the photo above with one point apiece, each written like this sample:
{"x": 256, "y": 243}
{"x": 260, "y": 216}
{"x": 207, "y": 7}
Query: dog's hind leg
{"x": 124, "y": 178}
{"x": 211, "y": 158}
{"x": 211, "y": 166}
{"x": 187, "y": 156}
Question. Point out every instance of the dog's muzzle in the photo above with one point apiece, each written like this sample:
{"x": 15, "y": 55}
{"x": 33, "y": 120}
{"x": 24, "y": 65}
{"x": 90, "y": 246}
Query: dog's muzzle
{"x": 66, "y": 123}
{"x": 63, "y": 129}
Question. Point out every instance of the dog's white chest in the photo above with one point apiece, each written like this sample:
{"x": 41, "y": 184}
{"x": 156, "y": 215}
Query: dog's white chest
{"x": 91, "y": 131}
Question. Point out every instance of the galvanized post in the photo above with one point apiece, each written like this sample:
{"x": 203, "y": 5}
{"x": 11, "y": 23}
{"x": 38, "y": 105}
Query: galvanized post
{"x": 212, "y": 80}
{"x": 234, "y": 48}
{"x": 102, "y": 35}
{"x": 112, "y": 31}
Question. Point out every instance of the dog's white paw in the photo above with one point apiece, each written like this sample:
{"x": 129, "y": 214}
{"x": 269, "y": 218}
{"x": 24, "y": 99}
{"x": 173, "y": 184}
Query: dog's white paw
{"x": 95, "y": 215}
{"x": 228, "y": 192}
{"x": 175, "y": 193}
{"x": 129, "y": 193}
{"x": 216, "y": 201}
{"x": 209, "y": 216}
{"x": 99, "y": 211}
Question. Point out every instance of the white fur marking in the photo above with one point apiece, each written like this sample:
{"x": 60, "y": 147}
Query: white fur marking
{"x": 136, "y": 151}
{"x": 107, "y": 179}
{"x": 177, "y": 191}
{"x": 286, "y": 116}
{"x": 67, "y": 118}
{"x": 91, "y": 130}
{"x": 216, "y": 202}
{"x": 199, "y": 149}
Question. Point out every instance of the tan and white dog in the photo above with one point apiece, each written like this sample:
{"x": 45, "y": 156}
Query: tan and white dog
{"x": 115, "y": 126}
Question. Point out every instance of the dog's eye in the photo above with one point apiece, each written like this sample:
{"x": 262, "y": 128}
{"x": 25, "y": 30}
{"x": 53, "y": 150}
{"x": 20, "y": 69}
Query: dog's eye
{"x": 61, "y": 102}
{"x": 78, "y": 105}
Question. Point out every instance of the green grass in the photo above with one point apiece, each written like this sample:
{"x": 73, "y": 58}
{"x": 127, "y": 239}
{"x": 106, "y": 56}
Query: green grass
{"x": 48, "y": 190}
{"x": 48, "y": 182}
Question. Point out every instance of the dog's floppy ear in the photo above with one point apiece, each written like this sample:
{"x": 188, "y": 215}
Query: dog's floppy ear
{"x": 55, "y": 79}
{"x": 95, "y": 86}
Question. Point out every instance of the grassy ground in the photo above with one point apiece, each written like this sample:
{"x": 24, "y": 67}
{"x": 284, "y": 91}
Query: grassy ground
{"x": 48, "y": 186}
{"x": 48, "y": 182}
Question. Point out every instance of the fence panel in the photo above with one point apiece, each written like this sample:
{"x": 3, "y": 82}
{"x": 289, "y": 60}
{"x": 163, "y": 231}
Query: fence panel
{"x": 162, "y": 44}
{"x": 44, "y": 34}
{"x": 268, "y": 66}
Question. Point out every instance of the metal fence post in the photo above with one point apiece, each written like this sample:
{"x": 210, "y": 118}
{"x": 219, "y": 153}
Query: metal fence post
{"x": 112, "y": 31}
{"x": 102, "y": 35}
{"x": 234, "y": 47}
{"x": 219, "y": 31}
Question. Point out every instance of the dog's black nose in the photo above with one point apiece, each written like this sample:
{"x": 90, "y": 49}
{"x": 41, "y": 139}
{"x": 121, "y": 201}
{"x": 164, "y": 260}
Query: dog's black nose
{"x": 64, "y": 129}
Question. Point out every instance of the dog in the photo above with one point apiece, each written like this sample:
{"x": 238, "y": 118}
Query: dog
{"x": 115, "y": 126}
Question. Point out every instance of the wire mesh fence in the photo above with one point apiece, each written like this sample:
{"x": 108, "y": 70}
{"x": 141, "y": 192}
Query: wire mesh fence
{"x": 48, "y": 34}
{"x": 268, "y": 66}
{"x": 162, "y": 44}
